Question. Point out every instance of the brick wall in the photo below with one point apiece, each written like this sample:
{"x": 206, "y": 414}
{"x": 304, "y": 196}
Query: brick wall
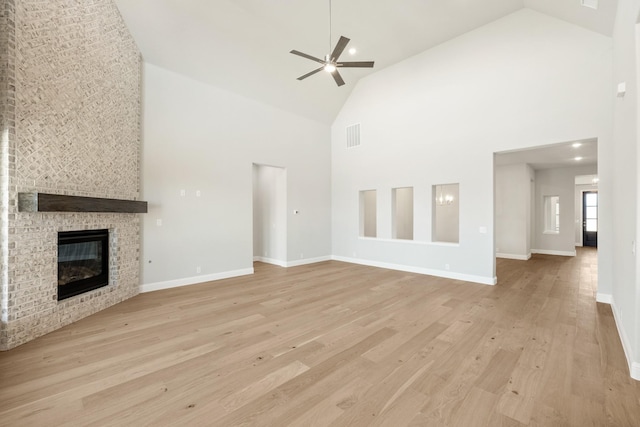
{"x": 71, "y": 126}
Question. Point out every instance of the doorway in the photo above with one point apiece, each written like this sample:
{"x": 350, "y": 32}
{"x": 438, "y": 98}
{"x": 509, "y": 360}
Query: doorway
{"x": 590, "y": 218}
{"x": 270, "y": 214}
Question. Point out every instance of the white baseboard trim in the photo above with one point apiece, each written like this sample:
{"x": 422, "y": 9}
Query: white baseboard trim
{"x": 306, "y": 261}
{"x": 634, "y": 367}
{"x": 272, "y": 261}
{"x": 186, "y": 281}
{"x": 295, "y": 263}
{"x": 551, "y": 252}
{"x": 604, "y": 298}
{"x": 635, "y": 371}
{"x": 514, "y": 256}
{"x": 420, "y": 270}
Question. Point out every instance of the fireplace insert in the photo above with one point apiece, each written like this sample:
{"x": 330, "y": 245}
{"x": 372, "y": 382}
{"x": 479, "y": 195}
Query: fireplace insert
{"x": 83, "y": 261}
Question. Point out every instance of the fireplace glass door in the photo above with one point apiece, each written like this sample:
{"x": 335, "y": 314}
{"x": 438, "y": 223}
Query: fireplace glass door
{"x": 83, "y": 261}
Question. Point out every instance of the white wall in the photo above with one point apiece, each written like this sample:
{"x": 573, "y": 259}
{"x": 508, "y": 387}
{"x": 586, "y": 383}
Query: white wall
{"x": 557, "y": 182}
{"x": 438, "y": 117}
{"x": 625, "y": 290}
{"x": 513, "y": 197}
{"x": 201, "y": 138}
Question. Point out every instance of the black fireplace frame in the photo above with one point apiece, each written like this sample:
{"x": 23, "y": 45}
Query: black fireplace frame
{"x": 85, "y": 285}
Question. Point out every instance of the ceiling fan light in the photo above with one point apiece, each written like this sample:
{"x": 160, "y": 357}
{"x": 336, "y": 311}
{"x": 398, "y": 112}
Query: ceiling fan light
{"x": 329, "y": 68}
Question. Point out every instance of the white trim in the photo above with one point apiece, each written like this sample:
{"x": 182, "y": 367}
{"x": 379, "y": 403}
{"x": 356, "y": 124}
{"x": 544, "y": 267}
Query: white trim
{"x": 635, "y": 370}
{"x": 552, "y": 252}
{"x": 604, "y": 298}
{"x": 186, "y": 281}
{"x": 634, "y": 367}
{"x": 420, "y": 270}
{"x": 295, "y": 263}
{"x": 306, "y": 261}
{"x": 514, "y": 256}
{"x": 270, "y": 261}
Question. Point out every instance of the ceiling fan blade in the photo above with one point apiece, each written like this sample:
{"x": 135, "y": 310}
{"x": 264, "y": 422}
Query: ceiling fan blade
{"x": 358, "y": 64}
{"x": 311, "y": 73}
{"x": 304, "y": 55}
{"x": 337, "y": 77}
{"x": 337, "y": 51}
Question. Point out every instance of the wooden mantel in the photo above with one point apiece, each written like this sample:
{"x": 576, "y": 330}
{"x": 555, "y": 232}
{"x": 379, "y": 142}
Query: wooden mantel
{"x": 43, "y": 202}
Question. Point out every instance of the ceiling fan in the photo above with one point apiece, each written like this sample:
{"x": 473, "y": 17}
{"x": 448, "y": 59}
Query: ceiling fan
{"x": 330, "y": 62}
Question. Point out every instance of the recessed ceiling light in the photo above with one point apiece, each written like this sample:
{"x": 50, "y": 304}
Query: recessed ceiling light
{"x": 352, "y": 51}
{"x": 576, "y": 144}
{"x": 593, "y": 4}
{"x": 577, "y": 159}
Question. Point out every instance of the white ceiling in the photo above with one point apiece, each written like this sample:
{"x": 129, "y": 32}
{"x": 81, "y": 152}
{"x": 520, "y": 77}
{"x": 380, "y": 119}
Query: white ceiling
{"x": 243, "y": 45}
{"x": 553, "y": 156}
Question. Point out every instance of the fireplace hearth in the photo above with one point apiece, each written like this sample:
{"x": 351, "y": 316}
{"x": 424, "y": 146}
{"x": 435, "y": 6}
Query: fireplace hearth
{"x": 83, "y": 261}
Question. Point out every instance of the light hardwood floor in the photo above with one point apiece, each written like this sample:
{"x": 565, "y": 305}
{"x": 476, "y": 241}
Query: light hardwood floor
{"x": 334, "y": 344}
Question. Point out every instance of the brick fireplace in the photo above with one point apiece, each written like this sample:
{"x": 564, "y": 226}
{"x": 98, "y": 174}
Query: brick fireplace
{"x": 70, "y": 116}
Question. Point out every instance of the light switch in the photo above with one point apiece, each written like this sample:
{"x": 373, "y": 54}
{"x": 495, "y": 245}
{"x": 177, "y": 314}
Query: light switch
{"x": 483, "y": 230}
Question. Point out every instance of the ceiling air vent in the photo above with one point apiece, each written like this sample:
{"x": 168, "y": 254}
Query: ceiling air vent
{"x": 353, "y": 135}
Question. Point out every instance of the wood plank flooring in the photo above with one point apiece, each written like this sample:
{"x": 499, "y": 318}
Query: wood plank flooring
{"x": 335, "y": 344}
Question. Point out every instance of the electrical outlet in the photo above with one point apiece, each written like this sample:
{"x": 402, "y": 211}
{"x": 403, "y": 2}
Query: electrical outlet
{"x": 198, "y": 270}
{"x": 447, "y": 266}
{"x": 159, "y": 222}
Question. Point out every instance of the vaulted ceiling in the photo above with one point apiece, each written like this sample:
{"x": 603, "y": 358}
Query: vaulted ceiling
{"x": 243, "y": 45}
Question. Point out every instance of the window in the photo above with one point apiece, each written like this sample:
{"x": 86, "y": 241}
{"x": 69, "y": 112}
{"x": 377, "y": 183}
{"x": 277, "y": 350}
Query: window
{"x": 551, "y": 214}
{"x": 446, "y": 213}
{"x": 368, "y": 214}
{"x": 403, "y": 213}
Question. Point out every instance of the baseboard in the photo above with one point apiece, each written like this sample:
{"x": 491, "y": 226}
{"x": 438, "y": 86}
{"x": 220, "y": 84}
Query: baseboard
{"x": 419, "y": 270}
{"x": 272, "y": 261}
{"x": 295, "y": 263}
{"x": 150, "y": 287}
{"x": 604, "y": 298}
{"x": 514, "y": 256}
{"x": 634, "y": 367}
{"x": 306, "y": 261}
{"x": 551, "y": 252}
{"x": 635, "y": 371}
